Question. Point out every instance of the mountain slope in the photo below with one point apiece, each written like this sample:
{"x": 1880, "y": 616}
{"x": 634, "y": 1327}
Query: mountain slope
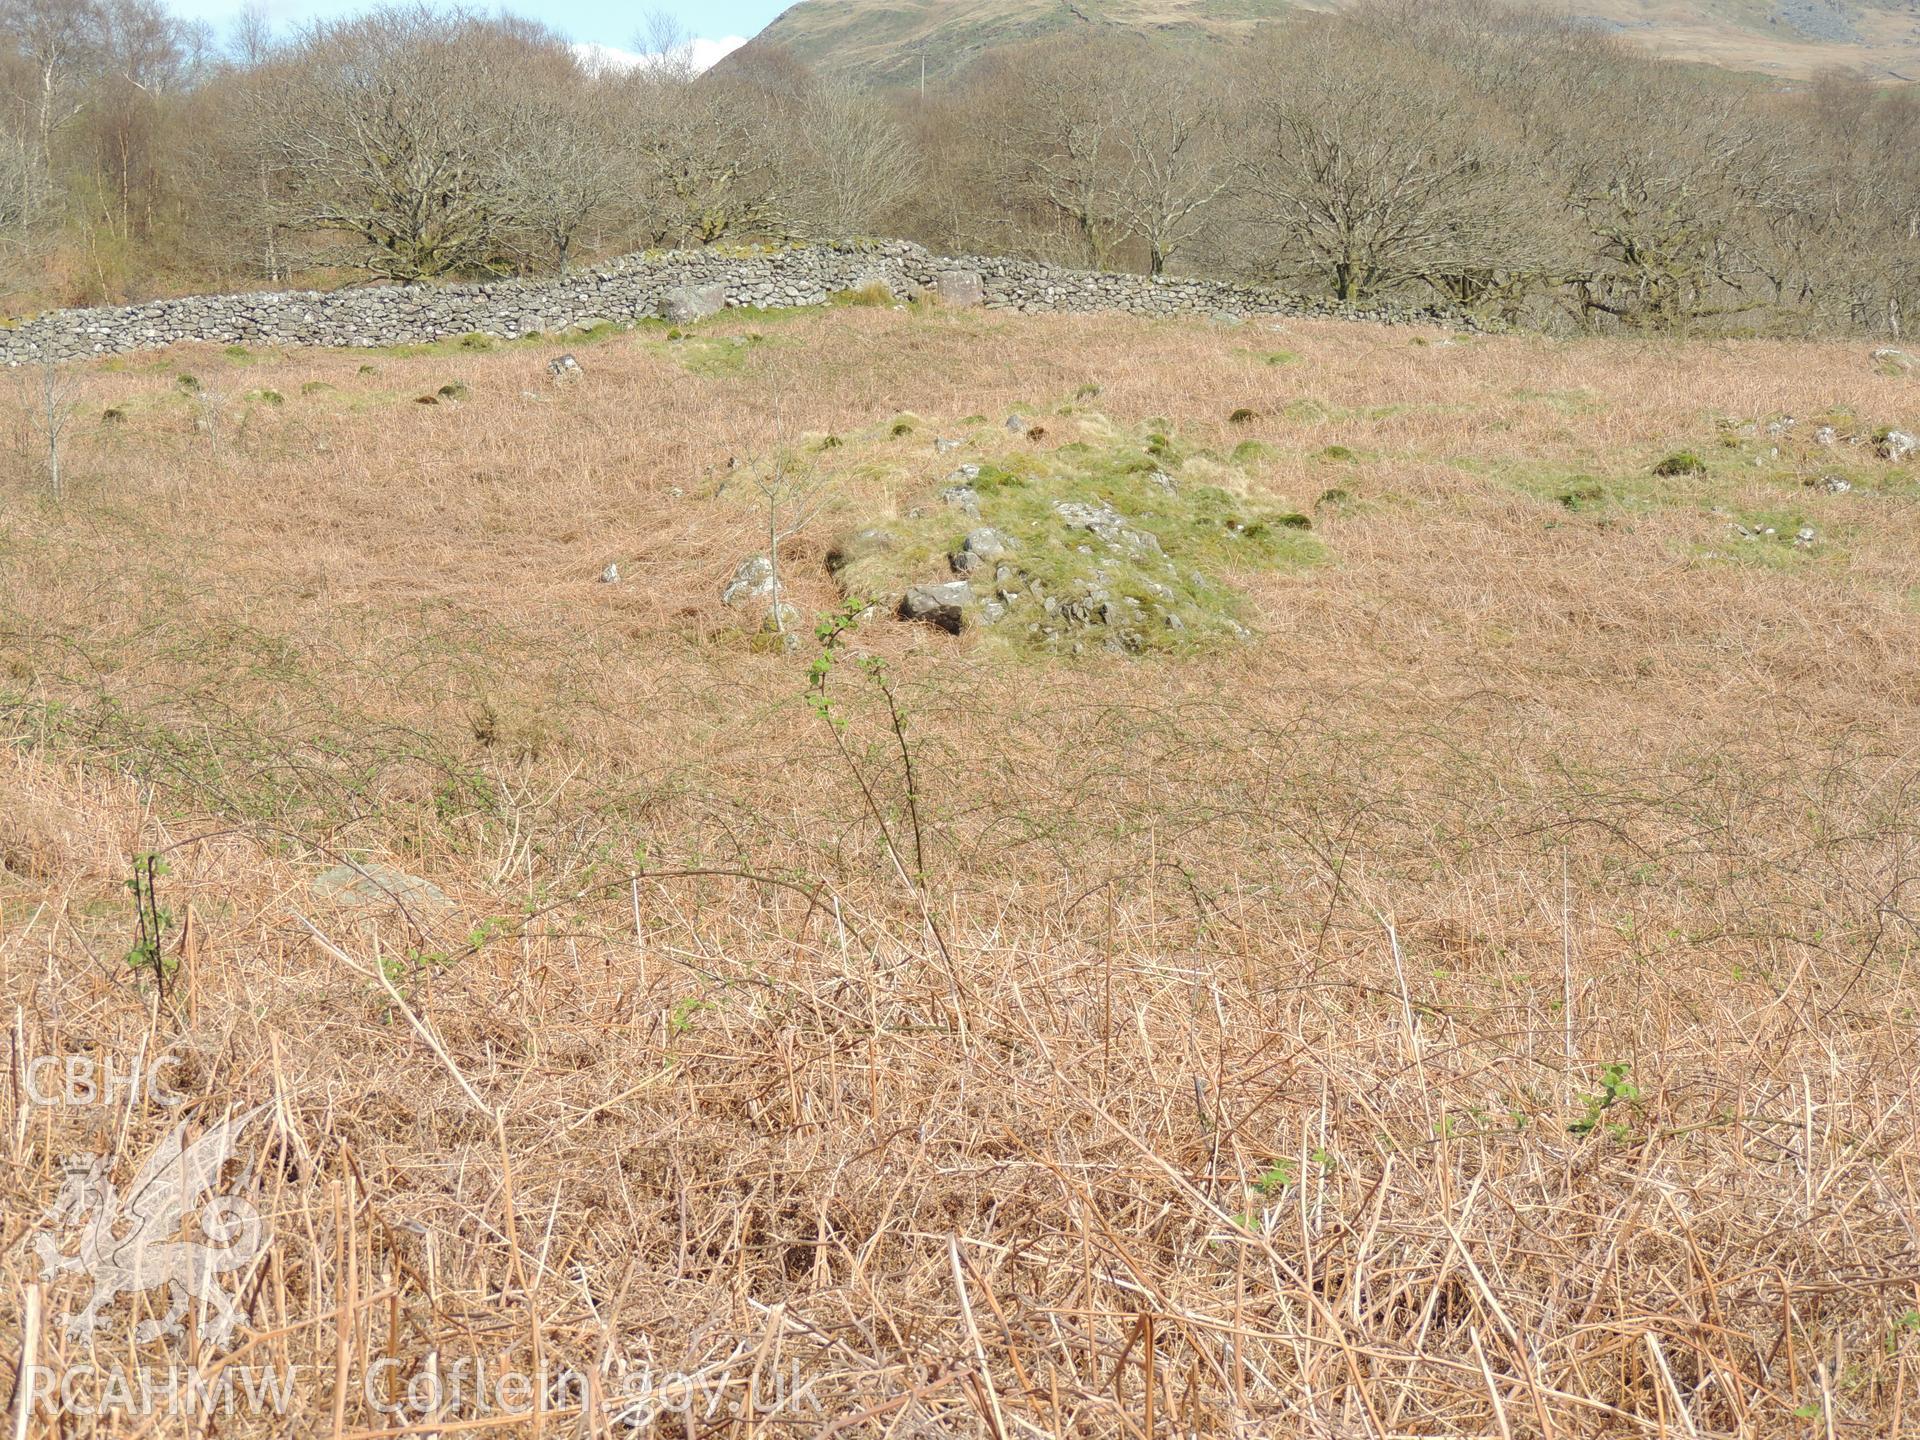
{"x": 887, "y": 41}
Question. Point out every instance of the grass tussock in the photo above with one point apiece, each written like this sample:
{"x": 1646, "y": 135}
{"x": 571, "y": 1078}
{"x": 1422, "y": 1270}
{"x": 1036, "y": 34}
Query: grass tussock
{"x": 1481, "y": 1002}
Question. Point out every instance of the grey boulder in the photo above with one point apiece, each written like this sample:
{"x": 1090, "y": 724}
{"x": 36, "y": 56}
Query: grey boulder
{"x": 752, "y": 581}
{"x": 965, "y": 288}
{"x": 688, "y": 303}
{"x": 941, "y": 605}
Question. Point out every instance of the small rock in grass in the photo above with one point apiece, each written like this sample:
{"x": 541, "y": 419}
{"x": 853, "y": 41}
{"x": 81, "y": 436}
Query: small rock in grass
{"x": 372, "y": 883}
{"x": 753, "y": 580}
{"x": 1897, "y": 445}
{"x": 564, "y": 367}
{"x": 610, "y": 575}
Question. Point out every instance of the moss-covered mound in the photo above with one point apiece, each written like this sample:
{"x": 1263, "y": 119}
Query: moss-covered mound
{"x": 1120, "y": 547}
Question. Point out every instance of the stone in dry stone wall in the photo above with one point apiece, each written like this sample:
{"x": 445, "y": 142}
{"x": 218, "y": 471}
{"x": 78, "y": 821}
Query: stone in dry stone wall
{"x": 689, "y": 303}
{"x": 635, "y": 289}
{"x": 959, "y": 287}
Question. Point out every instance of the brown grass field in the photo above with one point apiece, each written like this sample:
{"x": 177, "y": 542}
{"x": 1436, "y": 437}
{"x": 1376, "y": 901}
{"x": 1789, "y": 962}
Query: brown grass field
{"x": 1230, "y": 1055}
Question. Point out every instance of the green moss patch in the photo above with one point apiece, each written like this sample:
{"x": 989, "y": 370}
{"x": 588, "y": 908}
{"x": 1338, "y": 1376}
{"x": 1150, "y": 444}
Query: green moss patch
{"x": 1081, "y": 548}
{"x": 1681, "y": 462}
{"x": 714, "y": 357}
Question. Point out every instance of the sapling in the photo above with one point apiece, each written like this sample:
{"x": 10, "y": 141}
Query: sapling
{"x": 53, "y": 398}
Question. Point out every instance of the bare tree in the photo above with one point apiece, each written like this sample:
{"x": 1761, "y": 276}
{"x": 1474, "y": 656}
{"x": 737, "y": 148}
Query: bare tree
{"x": 143, "y": 63}
{"x": 1122, "y": 141}
{"x": 853, "y": 163}
{"x": 1172, "y": 127}
{"x": 61, "y": 40}
{"x": 1065, "y": 146}
{"x": 666, "y": 45}
{"x": 701, "y": 159}
{"x": 1369, "y": 172}
{"x": 560, "y": 175}
{"x": 403, "y": 130}
{"x": 24, "y": 187}
{"x": 250, "y": 38}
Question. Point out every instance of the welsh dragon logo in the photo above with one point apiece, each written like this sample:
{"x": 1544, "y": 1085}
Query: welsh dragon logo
{"x": 133, "y": 1243}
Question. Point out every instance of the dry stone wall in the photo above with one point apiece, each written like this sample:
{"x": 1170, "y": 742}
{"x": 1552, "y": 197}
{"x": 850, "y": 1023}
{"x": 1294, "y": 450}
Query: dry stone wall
{"x": 644, "y": 286}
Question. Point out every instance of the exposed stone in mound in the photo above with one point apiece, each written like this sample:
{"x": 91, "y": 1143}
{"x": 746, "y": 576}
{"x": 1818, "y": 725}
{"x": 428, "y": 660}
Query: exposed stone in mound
{"x": 980, "y": 549}
{"x": 1107, "y": 525}
{"x": 563, "y": 367}
{"x": 1898, "y": 445}
{"x": 942, "y": 605}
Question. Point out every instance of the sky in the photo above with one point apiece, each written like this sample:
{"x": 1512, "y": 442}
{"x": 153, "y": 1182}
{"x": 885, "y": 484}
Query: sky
{"x": 720, "y": 25}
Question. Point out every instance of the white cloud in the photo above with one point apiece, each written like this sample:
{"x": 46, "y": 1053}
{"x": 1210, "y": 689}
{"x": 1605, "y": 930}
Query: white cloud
{"x": 708, "y": 53}
{"x": 705, "y": 54}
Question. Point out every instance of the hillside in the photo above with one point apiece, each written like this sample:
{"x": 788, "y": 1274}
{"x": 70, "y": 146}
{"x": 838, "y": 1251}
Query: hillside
{"x": 887, "y": 40}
